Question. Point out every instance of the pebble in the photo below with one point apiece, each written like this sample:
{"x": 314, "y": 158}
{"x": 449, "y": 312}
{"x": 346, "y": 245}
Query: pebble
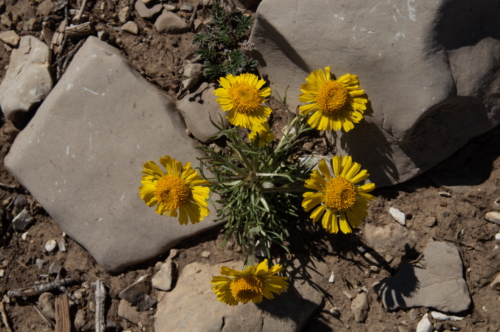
{"x": 54, "y": 268}
{"x": 430, "y": 221}
{"x": 146, "y": 12}
{"x": 425, "y": 324}
{"x": 22, "y": 220}
{"x": 441, "y": 316}
{"x": 371, "y": 259}
{"x": 496, "y": 283}
{"x": 493, "y": 217}
{"x": 2, "y": 273}
{"x": 170, "y": 7}
{"x": 194, "y": 73}
{"x": 6, "y": 299}
{"x": 123, "y": 14}
{"x": 187, "y": 7}
{"x": 335, "y": 311}
{"x": 374, "y": 269}
{"x": 46, "y": 304}
{"x": 413, "y": 314}
{"x": 162, "y": 280}
{"x": 130, "y": 27}
{"x": 399, "y": 216}
{"x": 51, "y": 245}
{"x": 349, "y": 296}
{"x": 80, "y": 319}
{"x": 205, "y": 254}
{"x": 170, "y": 23}
{"x": 78, "y": 294}
{"x": 360, "y": 307}
{"x": 39, "y": 263}
{"x": 24, "y": 236}
{"x": 145, "y": 303}
{"x": 497, "y": 237}
{"x": 10, "y": 38}
{"x": 332, "y": 278}
{"x": 61, "y": 243}
{"x": 444, "y": 194}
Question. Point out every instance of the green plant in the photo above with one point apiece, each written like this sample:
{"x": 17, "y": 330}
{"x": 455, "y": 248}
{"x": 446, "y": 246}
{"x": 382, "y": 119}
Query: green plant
{"x": 260, "y": 188}
{"x": 223, "y": 46}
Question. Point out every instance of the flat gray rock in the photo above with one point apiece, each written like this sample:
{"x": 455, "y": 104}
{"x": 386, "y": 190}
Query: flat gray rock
{"x": 169, "y": 22}
{"x": 436, "y": 281}
{"x": 147, "y": 11}
{"x": 198, "y": 108}
{"x": 428, "y": 67}
{"x": 81, "y": 157}
{"x": 178, "y": 312}
{"x": 27, "y": 81}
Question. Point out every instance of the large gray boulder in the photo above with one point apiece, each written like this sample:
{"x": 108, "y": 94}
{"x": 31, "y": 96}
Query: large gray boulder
{"x": 81, "y": 157}
{"x": 430, "y": 69}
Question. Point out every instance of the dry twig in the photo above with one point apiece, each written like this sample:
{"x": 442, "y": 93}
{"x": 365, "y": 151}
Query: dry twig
{"x": 4, "y": 317}
{"x": 48, "y": 321}
{"x": 58, "y": 284}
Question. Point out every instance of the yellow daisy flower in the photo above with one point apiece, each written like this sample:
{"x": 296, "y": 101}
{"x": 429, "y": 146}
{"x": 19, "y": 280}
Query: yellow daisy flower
{"x": 265, "y": 135}
{"x": 340, "y": 200}
{"x": 242, "y": 97}
{"x": 248, "y": 285}
{"x": 180, "y": 188}
{"x": 337, "y": 103}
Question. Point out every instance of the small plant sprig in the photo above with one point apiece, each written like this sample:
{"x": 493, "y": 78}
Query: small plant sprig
{"x": 260, "y": 187}
{"x": 220, "y": 45}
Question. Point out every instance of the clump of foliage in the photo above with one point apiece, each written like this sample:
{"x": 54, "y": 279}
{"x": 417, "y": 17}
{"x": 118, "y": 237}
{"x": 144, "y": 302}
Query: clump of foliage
{"x": 222, "y": 46}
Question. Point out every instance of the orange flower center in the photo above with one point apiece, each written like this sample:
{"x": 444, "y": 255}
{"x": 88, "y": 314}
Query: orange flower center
{"x": 340, "y": 194}
{"x": 244, "y": 289}
{"x": 246, "y": 98}
{"x": 172, "y": 192}
{"x": 332, "y": 97}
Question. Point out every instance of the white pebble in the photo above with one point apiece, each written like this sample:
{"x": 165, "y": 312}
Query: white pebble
{"x": 441, "y": 316}
{"x": 444, "y": 193}
{"x": 349, "y": 296}
{"x": 2, "y": 273}
{"x": 50, "y": 245}
{"x": 425, "y": 324}
{"x": 332, "y": 278}
{"x": 24, "y": 236}
{"x": 398, "y": 215}
{"x": 497, "y": 237}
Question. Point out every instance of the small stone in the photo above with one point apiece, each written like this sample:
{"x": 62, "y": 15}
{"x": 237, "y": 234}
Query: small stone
{"x": 205, "y": 254}
{"x": 425, "y": 324}
{"x": 399, "y": 216}
{"x": 444, "y": 194}
{"x": 145, "y": 11}
{"x": 54, "y": 268}
{"x": 169, "y": 22}
{"x": 92, "y": 306}
{"x": 51, "y": 245}
{"x": 162, "y": 280}
{"x": 374, "y": 269}
{"x": 61, "y": 243}
{"x": 6, "y": 21}
{"x": 497, "y": 237}
{"x": 308, "y": 146}
{"x": 123, "y": 14}
{"x": 32, "y": 25}
{"x": 187, "y": 7}
{"x": 80, "y": 319}
{"x": 335, "y": 311}
{"x": 145, "y": 303}
{"x": 45, "y": 8}
{"x": 39, "y": 262}
{"x": 194, "y": 73}
{"x": 430, "y": 221}
{"x": 130, "y": 27}
{"x": 78, "y": 294}
{"x": 125, "y": 309}
{"x": 441, "y": 316}
{"x": 197, "y": 24}
{"x": 24, "y": 236}
{"x": 332, "y": 278}
{"x": 46, "y": 305}
{"x": 10, "y": 38}
{"x": 413, "y": 314}
{"x": 493, "y": 217}
{"x": 349, "y": 296}
{"x": 359, "y": 307}
{"x": 22, "y": 220}
{"x": 170, "y": 7}
{"x": 6, "y": 299}
{"x": 496, "y": 283}
{"x": 372, "y": 260}
{"x": 134, "y": 291}
{"x": 2, "y": 273}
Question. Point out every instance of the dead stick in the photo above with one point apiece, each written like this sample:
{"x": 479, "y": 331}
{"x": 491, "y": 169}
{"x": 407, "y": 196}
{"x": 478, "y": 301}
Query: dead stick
{"x": 100, "y": 297}
{"x": 43, "y": 317}
{"x": 63, "y": 322}
{"x": 78, "y": 16}
{"x": 39, "y": 289}
{"x": 4, "y": 317}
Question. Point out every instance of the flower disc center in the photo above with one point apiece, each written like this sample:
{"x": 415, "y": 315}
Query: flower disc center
{"x": 172, "y": 192}
{"x": 246, "y": 288}
{"x": 332, "y": 97}
{"x": 340, "y": 194}
{"x": 245, "y": 98}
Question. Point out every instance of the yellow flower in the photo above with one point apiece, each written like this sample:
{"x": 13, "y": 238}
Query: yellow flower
{"x": 265, "y": 135}
{"x": 337, "y": 103}
{"x": 248, "y": 285}
{"x": 242, "y": 97}
{"x": 339, "y": 199}
{"x": 180, "y": 188}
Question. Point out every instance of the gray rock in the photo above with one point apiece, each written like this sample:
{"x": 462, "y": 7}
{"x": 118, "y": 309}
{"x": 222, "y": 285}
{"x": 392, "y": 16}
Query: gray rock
{"x": 198, "y": 108}
{"x": 136, "y": 290}
{"x": 119, "y": 117}
{"x": 162, "y": 280}
{"x": 169, "y": 22}
{"x": 453, "y": 77}
{"x": 145, "y": 302}
{"x": 54, "y": 268}
{"x": 80, "y": 319}
{"x": 359, "y": 307}
{"x": 130, "y": 27}
{"x": 145, "y": 11}
{"x": 436, "y": 281}
{"x": 27, "y": 81}
{"x": 10, "y": 38}
{"x": 45, "y": 8}
{"x": 392, "y": 239}
{"x": 39, "y": 262}
{"x": 123, "y": 14}
{"x": 425, "y": 324}
{"x": 22, "y": 220}
{"x": 187, "y": 7}
{"x": 493, "y": 217}
{"x": 398, "y": 216}
{"x": 46, "y": 304}
{"x": 19, "y": 204}
{"x": 286, "y": 312}
{"x": 6, "y": 21}
{"x": 61, "y": 243}
{"x": 194, "y": 73}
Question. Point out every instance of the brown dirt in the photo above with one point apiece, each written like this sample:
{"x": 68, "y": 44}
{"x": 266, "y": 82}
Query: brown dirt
{"x": 159, "y": 57}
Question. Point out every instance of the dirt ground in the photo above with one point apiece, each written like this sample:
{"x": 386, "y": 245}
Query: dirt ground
{"x": 159, "y": 57}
